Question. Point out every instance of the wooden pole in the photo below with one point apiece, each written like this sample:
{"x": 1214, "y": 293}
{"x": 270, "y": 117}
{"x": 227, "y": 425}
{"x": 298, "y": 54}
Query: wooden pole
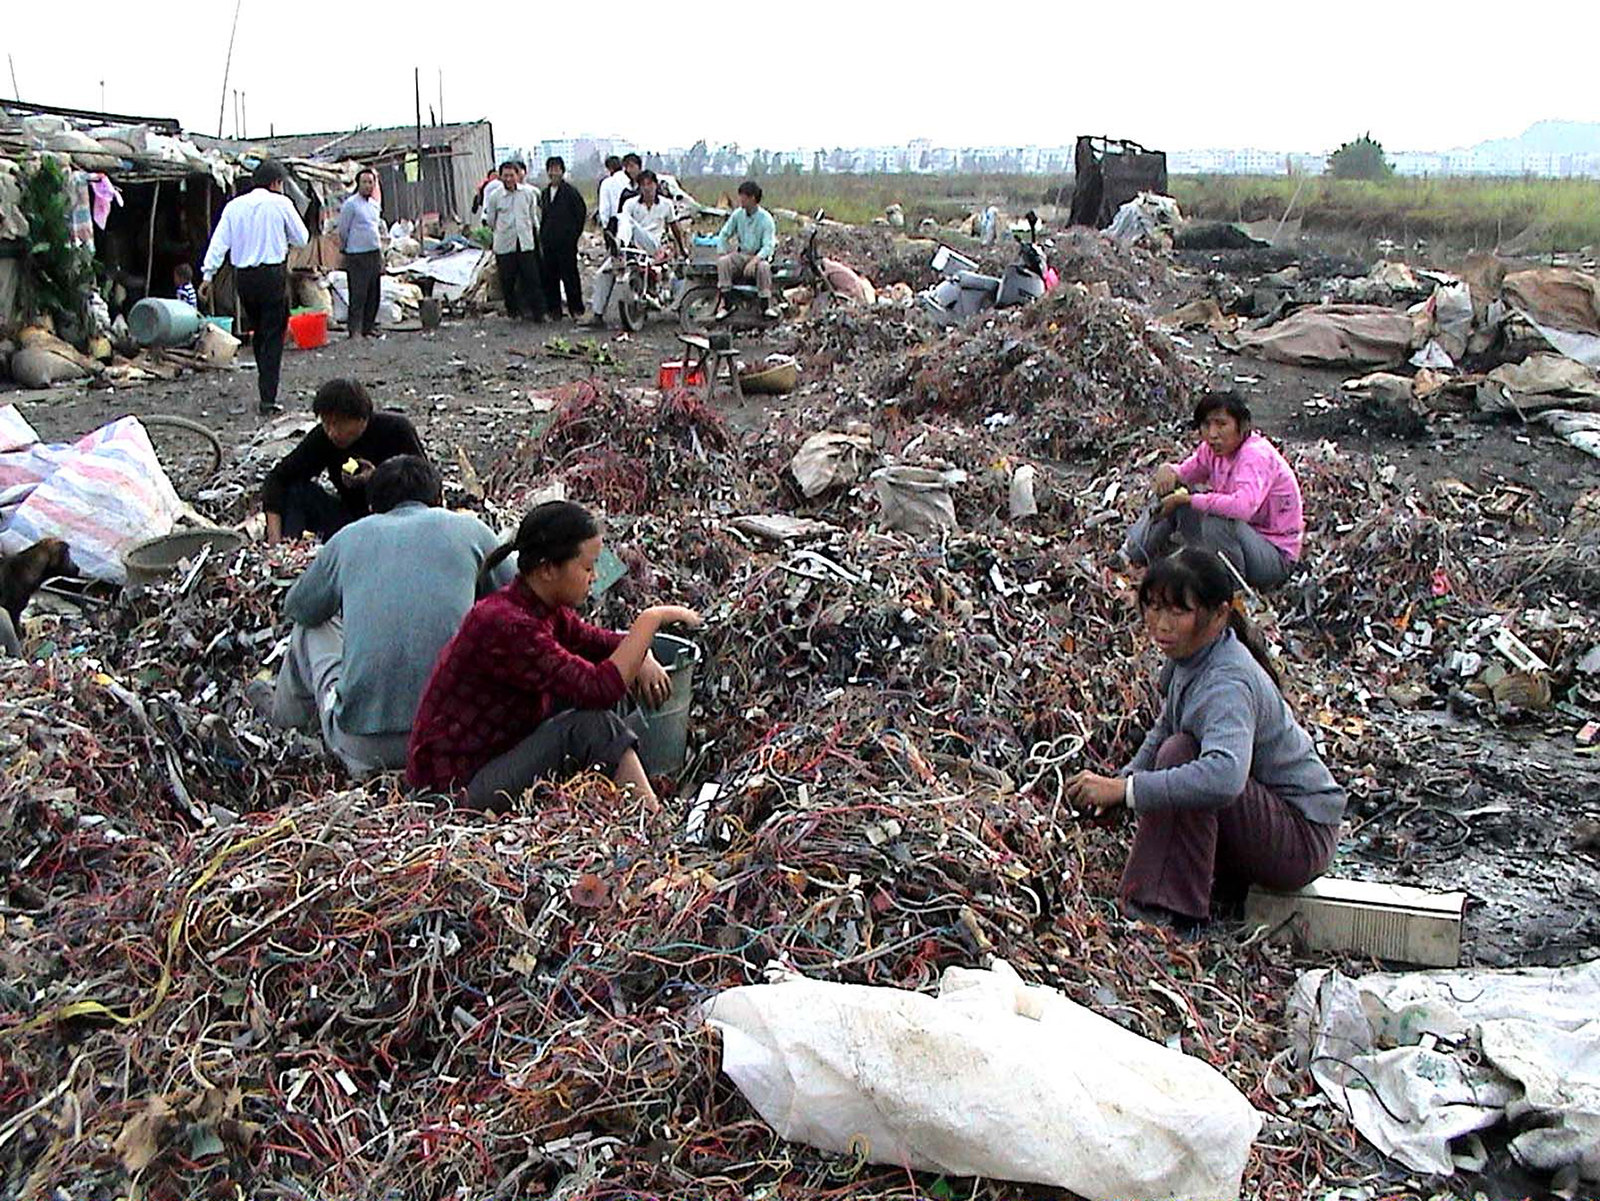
{"x": 16, "y": 92}
{"x": 416, "y": 79}
{"x": 150, "y": 256}
{"x": 227, "y": 66}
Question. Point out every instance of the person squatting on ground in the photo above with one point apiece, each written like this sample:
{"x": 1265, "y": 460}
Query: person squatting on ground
{"x": 1227, "y": 787}
{"x": 512, "y": 215}
{"x": 361, "y": 239}
{"x": 255, "y": 232}
{"x": 373, "y": 611}
{"x": 1249, "y": 508}
{"x": 749, "y": 237}
{"x": 561, "y": 217}
{"x": 527, "y": 689}
{"x": 348, "y": 443}
{"x": 647, "y": 221}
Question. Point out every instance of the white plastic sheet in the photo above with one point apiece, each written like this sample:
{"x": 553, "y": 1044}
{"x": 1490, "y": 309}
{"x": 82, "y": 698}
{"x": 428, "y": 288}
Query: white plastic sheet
{"x": 990, "y": 1078}
{"x": 100, "y": 494}
{"x": 1418, "y": 1059}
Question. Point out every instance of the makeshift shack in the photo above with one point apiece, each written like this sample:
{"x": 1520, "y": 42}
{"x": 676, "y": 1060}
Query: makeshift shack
{"x": 145, "y": 196}
{"x": 1108, "y": 173}
{"x": 432, "y": 171}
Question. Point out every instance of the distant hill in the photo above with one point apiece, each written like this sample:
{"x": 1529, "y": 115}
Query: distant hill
{"x": 1550, "y": 137}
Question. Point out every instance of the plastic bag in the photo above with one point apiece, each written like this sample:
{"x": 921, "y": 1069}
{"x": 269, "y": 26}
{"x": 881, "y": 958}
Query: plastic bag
{"x": 916, "y": 500}
{"x": 829, "y": 460}
{"x": 102, "y": 494}
{"x": 991, "y": 1078}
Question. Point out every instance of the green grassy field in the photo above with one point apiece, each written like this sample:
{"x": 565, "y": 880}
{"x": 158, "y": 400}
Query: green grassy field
{"x": 1562, "y": 214}
{"x": 1558, "y": 214}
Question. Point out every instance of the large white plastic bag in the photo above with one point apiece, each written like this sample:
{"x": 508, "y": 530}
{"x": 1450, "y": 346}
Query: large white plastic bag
{"x": 991, "y": 1078}
{"x": 106, "y": 493}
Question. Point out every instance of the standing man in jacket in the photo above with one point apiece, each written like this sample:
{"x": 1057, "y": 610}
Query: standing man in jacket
{"x": 561, "y": 215}
{"x": 255, "y": 231}
{"x": 513, "y": 215}
{"x": 361, "y": 239}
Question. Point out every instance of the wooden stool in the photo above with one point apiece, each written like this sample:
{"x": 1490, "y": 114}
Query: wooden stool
{"x": 710, "y": 360}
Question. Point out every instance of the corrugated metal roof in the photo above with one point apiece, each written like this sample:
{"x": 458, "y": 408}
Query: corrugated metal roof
{"x": 356, "y": 143}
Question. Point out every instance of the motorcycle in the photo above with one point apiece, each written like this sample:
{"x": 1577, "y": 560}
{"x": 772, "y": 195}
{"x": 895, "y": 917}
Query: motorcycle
{"x": 697, "y": 308}
{"x": 642, "y": 285}
{"x": 964, "y": 290}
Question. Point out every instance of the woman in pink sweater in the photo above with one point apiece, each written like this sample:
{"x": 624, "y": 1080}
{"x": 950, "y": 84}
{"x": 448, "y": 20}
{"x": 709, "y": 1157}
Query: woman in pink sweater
{"x": 1235, "y": 494}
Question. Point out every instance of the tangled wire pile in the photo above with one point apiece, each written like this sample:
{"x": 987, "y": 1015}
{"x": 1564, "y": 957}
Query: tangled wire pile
{"x": 1081, "y": 375}
{"x": 361, "y": 997}
{"x": 622, "y": 450}
{"x": 142, "y": 728}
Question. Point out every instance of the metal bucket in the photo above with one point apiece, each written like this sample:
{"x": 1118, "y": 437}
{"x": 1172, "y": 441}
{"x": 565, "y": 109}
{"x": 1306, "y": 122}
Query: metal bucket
{"x": 156, "y": 558}
{"x": 664, "y": 732}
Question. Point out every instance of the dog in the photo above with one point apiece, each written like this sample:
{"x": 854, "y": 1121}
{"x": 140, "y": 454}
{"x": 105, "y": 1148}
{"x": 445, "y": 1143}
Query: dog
{"x": 21, "y": 574}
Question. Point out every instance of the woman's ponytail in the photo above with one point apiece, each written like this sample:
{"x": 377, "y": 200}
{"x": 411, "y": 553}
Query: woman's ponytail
{"x": 1254, "y": 643}
{"x": 495, "y": 557}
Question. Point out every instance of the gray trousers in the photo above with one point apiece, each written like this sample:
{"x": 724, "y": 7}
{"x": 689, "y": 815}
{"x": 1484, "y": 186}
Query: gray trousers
{"x": 10, "y": 645}
{"x": 1262, "y": 564}
{"x": 307, "y": 694}
{"x": 738, "y": 268}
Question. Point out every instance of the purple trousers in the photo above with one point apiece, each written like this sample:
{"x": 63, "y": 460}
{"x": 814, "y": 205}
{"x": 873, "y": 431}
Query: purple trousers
{"x": 1180, "y": 855}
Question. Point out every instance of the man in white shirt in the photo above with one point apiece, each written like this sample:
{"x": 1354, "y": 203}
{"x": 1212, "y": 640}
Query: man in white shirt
{"x": 513, "y": 215}
{"x": 255, "y": 232}
{"x": 611, "y": 189}
{"x": 361, "y": 239}
{"x": 647, "y": 221}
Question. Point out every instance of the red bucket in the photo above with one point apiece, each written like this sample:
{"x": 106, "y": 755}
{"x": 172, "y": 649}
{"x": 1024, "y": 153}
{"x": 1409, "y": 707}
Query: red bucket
{"x": 670, "y": 376}
{"x": 309, "y": 330}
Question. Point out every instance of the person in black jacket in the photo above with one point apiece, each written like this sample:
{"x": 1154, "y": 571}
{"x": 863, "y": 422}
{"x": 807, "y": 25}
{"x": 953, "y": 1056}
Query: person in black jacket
{"x": 350, "y": 440}
{"x": 561, "y": 217}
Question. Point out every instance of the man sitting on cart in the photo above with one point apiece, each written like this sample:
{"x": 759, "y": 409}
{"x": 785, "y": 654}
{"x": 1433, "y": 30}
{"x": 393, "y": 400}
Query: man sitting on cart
{"x": 748, "y": 238}
{"x": 646, "y": 222}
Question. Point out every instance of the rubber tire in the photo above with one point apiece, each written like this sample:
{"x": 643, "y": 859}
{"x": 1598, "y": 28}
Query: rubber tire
{"x": 697, "y": 309}
{"x": 630, "y": 304}
{"x": 172, "y": 421}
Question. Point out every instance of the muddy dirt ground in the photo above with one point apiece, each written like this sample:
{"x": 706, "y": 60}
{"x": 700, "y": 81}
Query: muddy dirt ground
{"x": 1498, "y": 813}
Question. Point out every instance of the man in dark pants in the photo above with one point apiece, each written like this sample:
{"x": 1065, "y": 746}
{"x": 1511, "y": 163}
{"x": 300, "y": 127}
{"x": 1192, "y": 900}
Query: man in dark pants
{"x": 255, "y": 231}
{"x": 513, "y": 215}
{"x": 348, "y": 443}
{"x": 361, "y": 240}
{"x": 561, "y": 217}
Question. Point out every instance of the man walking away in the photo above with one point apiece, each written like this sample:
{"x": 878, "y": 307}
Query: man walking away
{"x": 256, "y": 231}
{"x": 561, "y": 216}
{"x": 361, "y": 239}
{"x": 513, "y": 215}
{"x": 749, "y": 236}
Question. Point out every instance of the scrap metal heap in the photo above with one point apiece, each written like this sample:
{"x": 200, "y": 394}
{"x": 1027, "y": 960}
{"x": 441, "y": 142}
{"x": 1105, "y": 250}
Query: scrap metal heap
{"x": 223, "y": 974}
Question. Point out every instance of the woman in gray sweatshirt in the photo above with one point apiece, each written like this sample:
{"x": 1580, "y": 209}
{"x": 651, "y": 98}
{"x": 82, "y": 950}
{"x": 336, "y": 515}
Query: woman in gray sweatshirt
{"x": 1227, "y": 786}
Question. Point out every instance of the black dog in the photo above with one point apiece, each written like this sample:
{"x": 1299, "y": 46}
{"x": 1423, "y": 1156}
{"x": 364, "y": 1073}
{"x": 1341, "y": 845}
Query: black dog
{"x": 22, "y": 573}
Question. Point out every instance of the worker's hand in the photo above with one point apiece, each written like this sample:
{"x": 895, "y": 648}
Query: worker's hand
{"x": 675, "y": 615}
{"x": 652, "y": 683}
{"x": 1165, "y": 479}
{"x": 205, "y": 291}
{"x": 1090, "y": 791}
{"x": 1174, "y": 501}
{"x": 363, "y": 472}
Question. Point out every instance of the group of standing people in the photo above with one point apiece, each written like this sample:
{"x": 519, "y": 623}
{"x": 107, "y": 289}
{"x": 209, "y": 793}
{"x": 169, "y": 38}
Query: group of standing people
{"x": 534, "y": 234}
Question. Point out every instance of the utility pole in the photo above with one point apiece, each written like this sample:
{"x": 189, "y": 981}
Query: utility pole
{"x": 227, "y": 66}
{"x": 244, "y": 116}
{"x": 16, "y": 92}
{"x": 441, "y": 95}
{"x": 102, "y": 95}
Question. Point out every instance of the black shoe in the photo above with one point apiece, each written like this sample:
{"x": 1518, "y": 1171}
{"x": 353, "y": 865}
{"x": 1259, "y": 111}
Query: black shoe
{"x": 269, "y": 410}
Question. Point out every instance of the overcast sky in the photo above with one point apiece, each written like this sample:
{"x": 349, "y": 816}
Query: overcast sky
{"x": 1174, "y": 76}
